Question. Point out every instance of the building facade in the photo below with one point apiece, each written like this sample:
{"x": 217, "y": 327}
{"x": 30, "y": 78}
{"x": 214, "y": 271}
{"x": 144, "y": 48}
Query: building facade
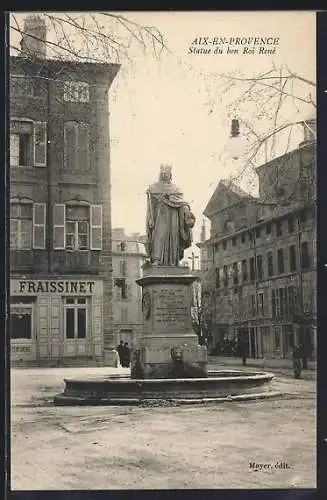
{"x": 128, "y": 257}
{"x": 60, "y": 205}
{"x": 259, "y": 263}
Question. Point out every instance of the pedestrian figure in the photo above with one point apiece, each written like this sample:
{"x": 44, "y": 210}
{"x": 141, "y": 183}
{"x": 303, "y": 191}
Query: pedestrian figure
{"x": 304, "y": 357}
{"x": 297, "y": 361}
{"x": 117, "y": 363}
{"x": 126, "y": 357}
{"x": 120, "y": 350}
{"x": 243, "y": 352}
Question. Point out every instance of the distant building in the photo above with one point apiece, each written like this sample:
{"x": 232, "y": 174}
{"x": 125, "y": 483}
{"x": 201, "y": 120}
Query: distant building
{"x": 128, "y": 256}
{"x": 60, "y": 233}
{"x": 259, "y": 264}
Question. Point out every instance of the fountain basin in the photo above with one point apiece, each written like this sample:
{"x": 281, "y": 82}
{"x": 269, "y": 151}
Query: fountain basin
{"x": 123, "y": 390}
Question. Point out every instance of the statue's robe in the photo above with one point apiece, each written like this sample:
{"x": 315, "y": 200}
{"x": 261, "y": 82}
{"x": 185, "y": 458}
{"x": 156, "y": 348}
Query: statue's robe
{"x": 169, "y": 223}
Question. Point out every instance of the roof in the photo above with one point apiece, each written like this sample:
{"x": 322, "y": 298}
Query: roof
{"x": 49, "y": 63}
{"x": 227, "y": 193}
{"x": 130, "y": 247}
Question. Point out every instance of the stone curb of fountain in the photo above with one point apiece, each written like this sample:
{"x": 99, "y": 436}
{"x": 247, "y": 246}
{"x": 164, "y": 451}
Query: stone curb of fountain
{"x": 281, "y": 372}
{"x": 62, "y": 400}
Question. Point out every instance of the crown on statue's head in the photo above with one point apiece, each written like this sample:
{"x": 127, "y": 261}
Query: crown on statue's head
{"x": 165, "y": 172}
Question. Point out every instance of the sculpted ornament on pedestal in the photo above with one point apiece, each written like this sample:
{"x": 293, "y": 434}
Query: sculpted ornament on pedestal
{"x": 169, "y": 221}
{"x": 146, "y": 305}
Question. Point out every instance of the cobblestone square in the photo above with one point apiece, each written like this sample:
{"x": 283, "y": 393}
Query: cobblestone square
{"x": 258, "y": 444}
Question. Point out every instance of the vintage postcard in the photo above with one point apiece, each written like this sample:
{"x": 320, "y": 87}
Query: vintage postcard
{"x": 163, "y": 310}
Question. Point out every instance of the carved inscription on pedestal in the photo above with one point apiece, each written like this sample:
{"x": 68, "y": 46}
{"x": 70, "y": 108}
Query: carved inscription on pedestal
{"x": 172, "y": 308}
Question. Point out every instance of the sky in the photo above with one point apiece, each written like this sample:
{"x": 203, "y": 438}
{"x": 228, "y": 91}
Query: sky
{"x": 171, "y": 111}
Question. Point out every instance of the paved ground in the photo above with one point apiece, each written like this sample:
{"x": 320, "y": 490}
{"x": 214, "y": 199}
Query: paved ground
{"x": 160, "y": 448}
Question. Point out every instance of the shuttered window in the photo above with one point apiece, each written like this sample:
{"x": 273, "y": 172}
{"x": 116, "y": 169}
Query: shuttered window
{"x": 39, "y": 222}
{"x": 123, "y": 267}
{"x": 96, "y": 227}
{"x": 27, "y": 226}
{"x": 59, "y": 211}
{"x": 40, "y": 144}
{"x": 28, "y": 143}
{"x": 77, "y": 227}
{"x": 76, "y": 138}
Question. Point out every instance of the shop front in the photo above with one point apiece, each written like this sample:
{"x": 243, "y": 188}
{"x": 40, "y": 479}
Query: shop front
{"x": 56, "y": 319}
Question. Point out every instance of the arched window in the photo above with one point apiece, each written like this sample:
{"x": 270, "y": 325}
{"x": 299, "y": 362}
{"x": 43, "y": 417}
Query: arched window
{"x": 77, "y": 226}
{"x": 76, "y": 139}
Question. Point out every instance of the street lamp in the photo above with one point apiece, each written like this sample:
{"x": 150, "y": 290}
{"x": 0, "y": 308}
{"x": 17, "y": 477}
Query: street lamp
{"x": 235, "y": 144}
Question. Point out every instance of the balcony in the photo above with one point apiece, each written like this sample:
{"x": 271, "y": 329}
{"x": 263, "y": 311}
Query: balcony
{"x": 28, "y": 261}
{"x": 74, "y": 262}
{"x": 36, "y": 261}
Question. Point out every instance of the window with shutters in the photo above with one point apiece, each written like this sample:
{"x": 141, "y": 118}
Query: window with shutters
{"x": 277, "y": 337}
{"x": 39, "y": 222}
{"x": 27, "y": 226}
{"x": 278, "y": 228}
{"x": 244, "y": 270}
{"x": 76, "y": 91}
{"x": 270, "y": 264}
{"x": 123, "y": 289}
{"x": 28, "y": 143}
{"x": 252, "y": 269}
{"x": 305, "y": 255}
{"x": 96, "y": 227}
{"x": 252, "y": 306}
{"x": 235, "y": 273}
{"x": 261, "y": 305}
{"x": 291, "y": 299}
{"x": 21, "y": 85}
{"x": 225, "y": 273}
{"x": 123, "y": 267}
{"x": 77, "y": 227}
{"x": 290, "y": 222}
{"x": 260, "y": 267}
{"x": 273, "y": 303}
{"x": 292, "y": 258}
{"x": 281, "y": 292}
{"x": 217, "y": 277}
{"x": 280, "y": 260}
{"x": 76, "y": 140}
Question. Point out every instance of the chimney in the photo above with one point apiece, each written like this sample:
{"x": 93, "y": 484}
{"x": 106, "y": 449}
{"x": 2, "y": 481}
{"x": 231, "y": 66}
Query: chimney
{"x": 309, "y": 131}
{"x": 34, "y": 36}
{"x": 203, "y": 232}
{"x": 235, "y": 128}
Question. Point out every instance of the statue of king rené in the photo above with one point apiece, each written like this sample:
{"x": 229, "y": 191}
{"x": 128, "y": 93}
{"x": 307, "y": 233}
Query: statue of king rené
{"x": 169, "y": 221}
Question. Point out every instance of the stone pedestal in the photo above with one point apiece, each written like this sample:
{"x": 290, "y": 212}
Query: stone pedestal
{"x": 169, "y": 347}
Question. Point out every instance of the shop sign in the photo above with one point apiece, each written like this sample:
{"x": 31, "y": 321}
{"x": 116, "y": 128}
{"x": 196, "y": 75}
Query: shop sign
{"x": 65, "y": 287}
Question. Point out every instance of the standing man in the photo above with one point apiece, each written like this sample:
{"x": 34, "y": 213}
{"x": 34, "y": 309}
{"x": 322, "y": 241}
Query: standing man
{"x": 297, "y": 361}
{"x": 126, "y": 356}
{"x": 243, "y": 350}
